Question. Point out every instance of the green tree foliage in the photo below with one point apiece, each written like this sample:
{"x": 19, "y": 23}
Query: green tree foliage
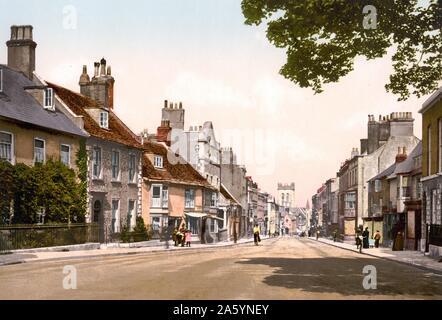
{"x": 323, "y": 37}
{"x": 6, "y": 191}
{"x": 140, "y": 230}
{"x": 139, "y": 233}
{"x": 51, "y": 186}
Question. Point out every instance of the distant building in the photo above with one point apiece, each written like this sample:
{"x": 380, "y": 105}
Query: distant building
{"x": 198, "y": 146}
{"x": 286, "y": 195}
{"x": 233, "y": 179}
{"x": 331, "y": 213}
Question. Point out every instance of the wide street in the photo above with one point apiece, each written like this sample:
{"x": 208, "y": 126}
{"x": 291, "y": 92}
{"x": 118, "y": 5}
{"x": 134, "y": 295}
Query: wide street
{"x": 283, "y": 268}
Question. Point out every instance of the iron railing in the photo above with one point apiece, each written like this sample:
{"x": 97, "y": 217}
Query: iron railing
{"x": 14, "y": 237}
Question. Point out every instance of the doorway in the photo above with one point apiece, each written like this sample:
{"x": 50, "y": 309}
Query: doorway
{"x": 97, "y": 218}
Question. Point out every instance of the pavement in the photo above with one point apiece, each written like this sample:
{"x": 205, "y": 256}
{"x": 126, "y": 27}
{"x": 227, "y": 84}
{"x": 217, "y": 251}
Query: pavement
{"x": 41, "y": 255}
{"x": 279, "y": 268}
{"x": 414, "y": 258}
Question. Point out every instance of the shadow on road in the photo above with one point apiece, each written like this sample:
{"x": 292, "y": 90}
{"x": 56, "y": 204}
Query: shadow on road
{"x": 344, "y": 276}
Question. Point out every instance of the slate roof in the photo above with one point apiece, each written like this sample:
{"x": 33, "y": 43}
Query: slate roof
{"x": 226, "y": 194}
{"x": 408, "y": 165}
{"x": 118, "y": 132}
{"x": 385, "y": 173}
{"x": 405, "y": 166}
{"x": 181, "y": 172}
{"x": 19, "y": 105}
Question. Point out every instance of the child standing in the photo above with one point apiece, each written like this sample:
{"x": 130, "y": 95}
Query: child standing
{"x": 188, "y": 237}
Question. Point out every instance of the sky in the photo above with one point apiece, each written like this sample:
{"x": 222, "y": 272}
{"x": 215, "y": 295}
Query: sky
{"x": 201, "y": 53}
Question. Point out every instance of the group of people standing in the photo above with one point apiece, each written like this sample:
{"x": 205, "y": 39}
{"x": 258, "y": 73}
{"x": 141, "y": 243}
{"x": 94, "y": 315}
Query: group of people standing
{"x": 182, "y": 237}
{"x": 363, "y": 239}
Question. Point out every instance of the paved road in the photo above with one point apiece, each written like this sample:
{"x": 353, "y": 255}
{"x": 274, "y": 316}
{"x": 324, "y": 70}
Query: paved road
{"x": 277, "y": 269}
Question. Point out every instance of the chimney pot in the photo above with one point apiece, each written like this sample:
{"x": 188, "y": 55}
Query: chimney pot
{"x": 21, "y": 50}
{"x": 165, "y": 104}
{"x": 96, "y": 69}
{"x": 103, "y": 67}
{"x": 109, "y": 71}
{"x": 84, "y": 78}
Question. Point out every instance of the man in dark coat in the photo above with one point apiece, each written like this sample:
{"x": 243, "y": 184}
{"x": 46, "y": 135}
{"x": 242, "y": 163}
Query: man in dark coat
{"x": 365, "y": 238}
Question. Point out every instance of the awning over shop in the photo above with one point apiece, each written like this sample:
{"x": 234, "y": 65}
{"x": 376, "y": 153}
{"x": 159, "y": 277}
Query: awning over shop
{"x": 196, "y": 214}
{"x": 215, "y": 217}
{"x": 202, "y": 215}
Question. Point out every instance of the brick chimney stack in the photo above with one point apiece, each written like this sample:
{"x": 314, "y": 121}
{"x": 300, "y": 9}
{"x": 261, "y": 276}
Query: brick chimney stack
{"x": 21, "y": 50}
{"x": 101, "y": 86}
{"x": 401, "y": 155}
{"x": 174, "y": 113}
{"x": 163, "y": 132}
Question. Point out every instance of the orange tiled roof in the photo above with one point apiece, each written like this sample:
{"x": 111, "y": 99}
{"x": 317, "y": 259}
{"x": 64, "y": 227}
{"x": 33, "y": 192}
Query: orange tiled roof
{"x": 181, "y": 172}
{"x": 117, "y": 132}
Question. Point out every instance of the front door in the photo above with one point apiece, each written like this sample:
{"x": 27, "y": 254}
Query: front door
{"x": 97, "y": 217}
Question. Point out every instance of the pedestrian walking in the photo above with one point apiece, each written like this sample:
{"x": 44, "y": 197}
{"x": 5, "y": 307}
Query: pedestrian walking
{"x": 377, "y": 239}
{"x": 335, "y": 235}
{"x": 256, "y": 232}
{"x": 175, "y": 237}
{"x": 358, "y": 242}
{"x": 188, "y": 238}
{"x": 317, "y": 234}
{"x": 365, "y": 238}
{"x": 167, "y": 234}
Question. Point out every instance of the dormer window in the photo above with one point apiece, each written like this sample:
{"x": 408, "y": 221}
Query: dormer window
{"x": 158, "y": 162}
{"x": 104, "y": 119}
{"x": 49, "y": 98}
{"x": 1, "y": 80}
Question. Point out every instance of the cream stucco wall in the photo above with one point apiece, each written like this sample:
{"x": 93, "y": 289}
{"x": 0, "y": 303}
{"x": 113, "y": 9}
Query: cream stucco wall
{"x": 23, "y": 144}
